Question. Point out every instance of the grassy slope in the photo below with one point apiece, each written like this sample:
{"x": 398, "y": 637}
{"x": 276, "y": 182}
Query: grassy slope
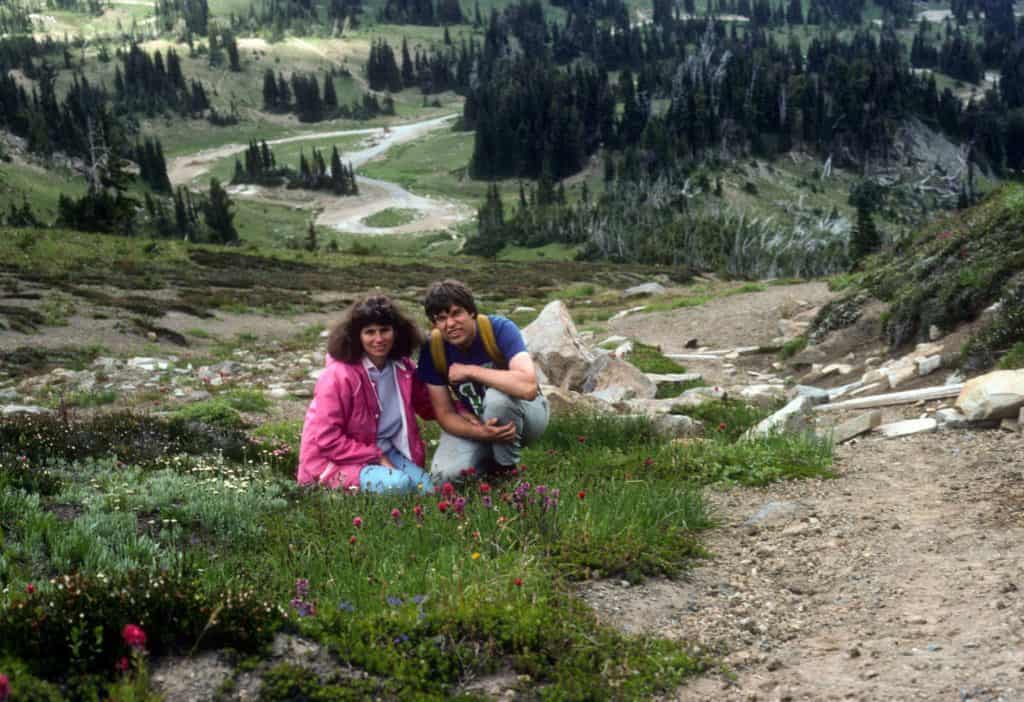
{"x": 950, "y": 270}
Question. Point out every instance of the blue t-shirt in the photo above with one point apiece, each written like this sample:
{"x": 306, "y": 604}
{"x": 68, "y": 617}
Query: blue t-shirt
{"x": 510, "y": 342}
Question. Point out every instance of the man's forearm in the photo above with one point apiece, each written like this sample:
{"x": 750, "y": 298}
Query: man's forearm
{"x": 513, "y": 383}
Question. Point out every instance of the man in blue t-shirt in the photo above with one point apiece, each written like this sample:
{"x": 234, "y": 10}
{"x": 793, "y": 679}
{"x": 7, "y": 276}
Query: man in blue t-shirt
{"x": 486, "y": 413}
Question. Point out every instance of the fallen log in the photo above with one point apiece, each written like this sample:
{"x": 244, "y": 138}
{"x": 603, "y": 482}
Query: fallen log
{"x": 894, "y": 398}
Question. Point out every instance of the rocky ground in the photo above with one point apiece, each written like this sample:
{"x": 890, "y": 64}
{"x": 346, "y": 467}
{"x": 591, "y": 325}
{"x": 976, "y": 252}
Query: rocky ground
{"x": 899, "y": 579}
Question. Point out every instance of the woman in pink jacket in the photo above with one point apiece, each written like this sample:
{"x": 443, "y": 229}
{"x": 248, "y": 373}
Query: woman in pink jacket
{"x": 360, "y": 431}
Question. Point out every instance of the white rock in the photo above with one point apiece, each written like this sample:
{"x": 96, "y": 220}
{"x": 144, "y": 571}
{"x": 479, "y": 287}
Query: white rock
{"x": 836, "y": 393}
{"x": 898, "y": 375}
{"x": 676, "y": 425}
{"x": 934, "y": 333}
{"x": 928, "y": 365}
{"x": 863, "y": 389}
{"x": 556, "y": 348}
{"x": 840, "y": 368}
{"x": 10, "y": 410}
{"x": 148, "y": 364}
{"x": 644, "y": 289}
{"x": 993, "y": 396}
{"x": 907, "y": 427}
{"x": 278, "y": 393}
{"x": 315, "y": 373}
{"x": 524, "y": 308}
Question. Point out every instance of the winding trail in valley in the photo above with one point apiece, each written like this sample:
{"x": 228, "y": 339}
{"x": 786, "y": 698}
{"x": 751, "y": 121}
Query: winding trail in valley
{"x": 344, "y": 213}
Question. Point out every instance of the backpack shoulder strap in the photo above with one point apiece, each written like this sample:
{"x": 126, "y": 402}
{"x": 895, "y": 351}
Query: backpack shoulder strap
{"x": 437, "y": 354}
{"x": 483, "y": 325}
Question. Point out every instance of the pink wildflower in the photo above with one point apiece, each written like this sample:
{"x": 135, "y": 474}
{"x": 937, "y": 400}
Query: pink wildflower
{"x": 357, "y": 522}
{"x": 122, "y": 664}
{"x": 396, "y": 514}
{"x": 133, "y": 635}
{"x": 5, "y": 687}
{"x": 443, "y": 506}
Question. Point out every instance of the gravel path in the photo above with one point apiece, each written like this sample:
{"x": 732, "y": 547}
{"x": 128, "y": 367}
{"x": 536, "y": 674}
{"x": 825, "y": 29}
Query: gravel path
{"x": 900, "y": 580}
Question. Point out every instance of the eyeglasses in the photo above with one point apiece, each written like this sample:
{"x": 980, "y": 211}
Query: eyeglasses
{"x": 441, "y": 318}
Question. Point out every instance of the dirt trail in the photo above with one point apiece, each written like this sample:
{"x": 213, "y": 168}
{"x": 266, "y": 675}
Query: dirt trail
{"x": 346, "y": 213}
{"x": 901, "y": 579}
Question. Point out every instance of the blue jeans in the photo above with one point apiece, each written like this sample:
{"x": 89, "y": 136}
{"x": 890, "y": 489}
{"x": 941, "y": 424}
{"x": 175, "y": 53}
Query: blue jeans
{"x": 405, "y": 478}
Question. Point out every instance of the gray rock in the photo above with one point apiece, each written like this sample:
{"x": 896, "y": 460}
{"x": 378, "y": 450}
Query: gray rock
{"x": 278, "y": 393}
{"x": 556, "y": 347}
{"x": 8, "y": 395}
{"x": 856, "y": 426}
{"x": 777, "y": 513}
{"x": 763, "y": 394}
{"x": 227, "y": 368}
{"x": 951, "y": 418}
{"x": 609, "y": 372}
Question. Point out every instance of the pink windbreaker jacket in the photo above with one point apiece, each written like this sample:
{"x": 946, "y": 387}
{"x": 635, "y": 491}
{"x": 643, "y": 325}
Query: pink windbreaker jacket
{"x": 339, "y": 436}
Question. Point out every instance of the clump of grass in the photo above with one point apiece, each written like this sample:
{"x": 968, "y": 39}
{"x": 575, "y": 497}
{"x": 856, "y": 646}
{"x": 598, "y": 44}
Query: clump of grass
{"x": 83, "y": 398}
{"x": 245, "y": 400}
{"x": 650, "y": 359}
{"x": 726, "y": 418}
{"x": 391, "y": 217}
{"x": 669, "y": 390}
{"x": 793, "y": 347}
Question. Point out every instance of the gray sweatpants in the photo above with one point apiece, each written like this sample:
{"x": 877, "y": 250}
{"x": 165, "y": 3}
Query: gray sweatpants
{"x": 455, "y": 454}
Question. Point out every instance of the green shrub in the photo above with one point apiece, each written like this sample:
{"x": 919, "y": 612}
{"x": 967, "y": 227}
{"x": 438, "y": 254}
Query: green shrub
{"x": 1014, "y": 358}
{"x": 40, "y": 627}
{"x": 1002, "y": 336}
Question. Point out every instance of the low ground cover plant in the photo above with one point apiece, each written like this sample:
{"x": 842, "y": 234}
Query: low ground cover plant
{"x": 198, "y": 535}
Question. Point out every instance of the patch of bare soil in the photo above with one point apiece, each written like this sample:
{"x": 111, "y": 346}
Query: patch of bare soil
{"x": 899, "y": 580}
{"x": 725, "y": 322}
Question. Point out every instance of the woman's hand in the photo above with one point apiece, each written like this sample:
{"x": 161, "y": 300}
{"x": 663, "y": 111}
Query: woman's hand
{"x": 386, "y": 462}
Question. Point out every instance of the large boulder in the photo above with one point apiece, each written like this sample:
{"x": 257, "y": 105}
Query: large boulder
{"x": 609, "y": 373}
{"x": 995, "y": 395}
{"x": 556, "y": 347}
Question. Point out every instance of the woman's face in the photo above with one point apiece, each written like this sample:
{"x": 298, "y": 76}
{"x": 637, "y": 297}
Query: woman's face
{"x": 378, "y": 339}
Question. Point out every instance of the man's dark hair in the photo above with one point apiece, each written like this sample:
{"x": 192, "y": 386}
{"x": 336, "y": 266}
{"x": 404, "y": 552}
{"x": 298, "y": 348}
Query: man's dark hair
{"x": 344, "y": 343}
{"x": 445, "y": 293}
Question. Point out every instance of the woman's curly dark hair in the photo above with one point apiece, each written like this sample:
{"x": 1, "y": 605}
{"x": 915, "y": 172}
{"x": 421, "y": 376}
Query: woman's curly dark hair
{"x": 344, "y": 343}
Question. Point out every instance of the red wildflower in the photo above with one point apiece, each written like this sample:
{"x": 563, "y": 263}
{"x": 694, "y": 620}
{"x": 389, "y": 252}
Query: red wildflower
{"x": 418, "y": 511}
{"x": 581, "y": 439}
{"x": 648, "y": 461}
{"x": 518, "y": 582}
{"x": 30, "y": 589}
{"x": 721, "y": 426}
{"x": 581, "y": 494}
{"x": 122, "y": 664}
{"x": 485, "y": 488}
{"x": 448, "y": 489}
{"x": 443, "y": 506}
{"x": 133, "y": 635}
{"x": 396, "y": 514}
{"x": 352, "y": 541}
{"x": 5, "y": 687}
{"x": 357, "y": 522}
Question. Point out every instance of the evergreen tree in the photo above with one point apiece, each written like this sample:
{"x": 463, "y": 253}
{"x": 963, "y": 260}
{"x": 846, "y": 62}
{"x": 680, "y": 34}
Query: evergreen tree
{"x": 218, "y": 215}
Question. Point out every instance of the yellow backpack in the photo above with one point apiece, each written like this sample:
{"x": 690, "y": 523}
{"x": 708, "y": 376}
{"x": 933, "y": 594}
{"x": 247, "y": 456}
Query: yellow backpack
{"x": 486, "y": 332}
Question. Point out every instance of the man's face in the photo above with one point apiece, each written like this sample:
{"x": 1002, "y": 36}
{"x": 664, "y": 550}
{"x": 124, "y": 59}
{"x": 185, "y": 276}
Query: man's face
{"x": 457, "y": 326}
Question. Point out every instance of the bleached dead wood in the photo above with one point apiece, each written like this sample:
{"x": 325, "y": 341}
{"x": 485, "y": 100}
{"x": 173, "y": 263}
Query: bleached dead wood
{"x": 895, "y": 398}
